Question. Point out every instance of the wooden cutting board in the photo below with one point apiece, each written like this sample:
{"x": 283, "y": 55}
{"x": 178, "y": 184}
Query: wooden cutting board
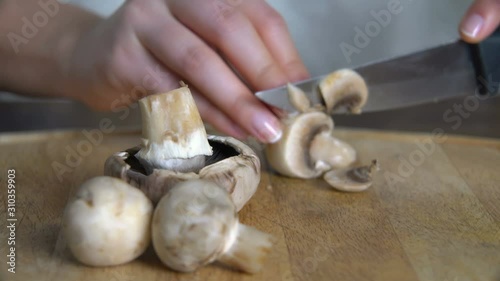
{"x": 432, "y": 214}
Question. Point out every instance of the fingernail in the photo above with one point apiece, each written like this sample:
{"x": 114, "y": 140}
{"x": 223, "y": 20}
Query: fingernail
{"x": 268, "y": 128}
{"x": 472, "y": 25}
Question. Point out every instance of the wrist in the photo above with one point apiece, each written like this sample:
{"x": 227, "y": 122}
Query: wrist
{"x": 63, "y": 50}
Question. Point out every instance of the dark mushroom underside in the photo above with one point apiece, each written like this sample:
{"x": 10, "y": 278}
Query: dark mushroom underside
{"x": 221, "y": 151}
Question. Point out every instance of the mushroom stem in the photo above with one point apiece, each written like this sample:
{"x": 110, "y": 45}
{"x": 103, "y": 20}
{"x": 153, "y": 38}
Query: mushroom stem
{"x": 174, "y": 136}
{"x": 298, "y": 98}
{"x": 328, "y": 152}
{"x": 196, "y": 223}
{"x": 248, "y": 250}
{"x": 364, "y": 173}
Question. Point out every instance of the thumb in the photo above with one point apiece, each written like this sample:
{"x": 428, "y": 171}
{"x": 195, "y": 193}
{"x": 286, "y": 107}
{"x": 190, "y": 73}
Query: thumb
{"x": 482, "y": 18}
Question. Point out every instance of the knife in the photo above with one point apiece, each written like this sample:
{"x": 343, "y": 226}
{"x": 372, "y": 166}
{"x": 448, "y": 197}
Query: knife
{"x": 449, "y": 70}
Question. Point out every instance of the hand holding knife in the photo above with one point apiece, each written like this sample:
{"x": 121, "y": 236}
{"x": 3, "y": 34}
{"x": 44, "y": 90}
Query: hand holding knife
{"x": 446, "y": 71}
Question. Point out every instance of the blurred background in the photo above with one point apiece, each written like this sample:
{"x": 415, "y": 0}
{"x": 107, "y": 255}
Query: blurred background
{"x": 320, "y": 28}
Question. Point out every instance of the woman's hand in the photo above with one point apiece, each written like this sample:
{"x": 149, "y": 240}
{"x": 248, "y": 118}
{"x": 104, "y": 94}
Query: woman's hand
{"x": 482, "y": 18}
{"x": 223, "y": 49}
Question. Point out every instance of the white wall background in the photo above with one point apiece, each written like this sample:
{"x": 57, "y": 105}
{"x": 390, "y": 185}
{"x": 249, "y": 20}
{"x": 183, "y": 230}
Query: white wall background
{"x": 320, "y": 26}
{"x": 101, "y": 7}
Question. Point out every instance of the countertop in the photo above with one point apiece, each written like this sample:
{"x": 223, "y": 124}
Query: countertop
{"x": 432, "y": 213}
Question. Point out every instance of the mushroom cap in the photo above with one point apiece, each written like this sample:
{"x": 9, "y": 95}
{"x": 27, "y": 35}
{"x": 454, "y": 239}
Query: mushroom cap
{"x": 290, "y": 156}
{"x": 344, "y": 88}
{"x": 193, "y": 225}
{"x": 233, "y": 166}
{"x": 107, "y": 222}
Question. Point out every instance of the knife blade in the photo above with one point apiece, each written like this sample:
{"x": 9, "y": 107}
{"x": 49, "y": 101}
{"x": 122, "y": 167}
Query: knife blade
{"x": 427, "y": 76}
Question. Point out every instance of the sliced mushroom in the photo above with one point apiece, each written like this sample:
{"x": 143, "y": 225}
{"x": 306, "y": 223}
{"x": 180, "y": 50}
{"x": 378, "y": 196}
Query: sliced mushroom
{"x": 352, "y": 180}
{"x": 307, "y": 147}
{"x": 232, "y": 164}
{"x": 196, "y": 223}
{"x": 328, "y": 152}
{"x": 298, "y": 99}
{"x": 344, "y": 88}
{"x": 107, "y": 222}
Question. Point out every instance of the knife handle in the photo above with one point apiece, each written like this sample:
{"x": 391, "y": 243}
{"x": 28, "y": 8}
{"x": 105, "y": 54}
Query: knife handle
{"x": 486, "y": 59}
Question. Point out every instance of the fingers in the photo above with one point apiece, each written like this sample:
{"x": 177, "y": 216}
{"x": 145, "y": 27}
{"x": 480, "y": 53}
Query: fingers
{"x": 152, "y": 78}
{"x": 217, "y": 118}
{"x": 482, "y": 18}
{"x": 130, "y": 72}
{"x": 187, "y": 55}
{"x": 274, "y": 32}
{"x": 149, "y": 76}
{"x": 221, "y": 23}
{"x": 157, "y": 79}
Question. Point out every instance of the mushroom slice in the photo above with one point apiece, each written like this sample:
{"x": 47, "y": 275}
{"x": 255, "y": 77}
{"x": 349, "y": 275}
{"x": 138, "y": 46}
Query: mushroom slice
{"x": 233, "y": 166}
{"x": 107, "y": 222}
{"x": 307, "y": 147}
{"x": 328, "y": 152}
{"x": 353, "y": 179}
{"x": 298, "y": 98}
{"x": 344, "y": 88}
{"x": 290, "y": 156}
{"x": 196, "y": 223}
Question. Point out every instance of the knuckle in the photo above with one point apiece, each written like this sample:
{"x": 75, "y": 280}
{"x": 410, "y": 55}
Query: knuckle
{"x": 266, "y": 71}
{"x": 135, "y": 11}
{"x": 273, "y": 20}
{"x": 239, "y": 106}
{"x": 294, "y": 66}
{"x": 193, "y": 58}
{"x": 228, "y": 19}
{"x": 112, "y": 67}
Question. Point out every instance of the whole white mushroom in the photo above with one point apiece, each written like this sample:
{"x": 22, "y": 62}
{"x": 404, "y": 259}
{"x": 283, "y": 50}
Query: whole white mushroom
{"x": 107, "y": 222}
{"x": 196, "y": 223}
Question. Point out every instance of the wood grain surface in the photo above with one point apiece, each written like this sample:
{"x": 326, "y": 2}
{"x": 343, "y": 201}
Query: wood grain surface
{"x": 432, "y": 214}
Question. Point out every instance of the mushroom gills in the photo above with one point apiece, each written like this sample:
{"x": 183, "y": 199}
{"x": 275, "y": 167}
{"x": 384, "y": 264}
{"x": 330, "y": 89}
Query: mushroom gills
{"x": 233, "y": 165}
{"x": 352, "y": 179}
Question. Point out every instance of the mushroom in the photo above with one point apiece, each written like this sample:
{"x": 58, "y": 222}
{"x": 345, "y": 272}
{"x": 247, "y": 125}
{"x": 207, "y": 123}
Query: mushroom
{"x": 174, "y": 137}
{"x": 176, "y": 148}
{"x": 307, "y": 148}
{"x": 107, "y": 222}
{"x": 344, "y": 88}
{"x": 353, "y": 179}
{"x": 196, "y": 223}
